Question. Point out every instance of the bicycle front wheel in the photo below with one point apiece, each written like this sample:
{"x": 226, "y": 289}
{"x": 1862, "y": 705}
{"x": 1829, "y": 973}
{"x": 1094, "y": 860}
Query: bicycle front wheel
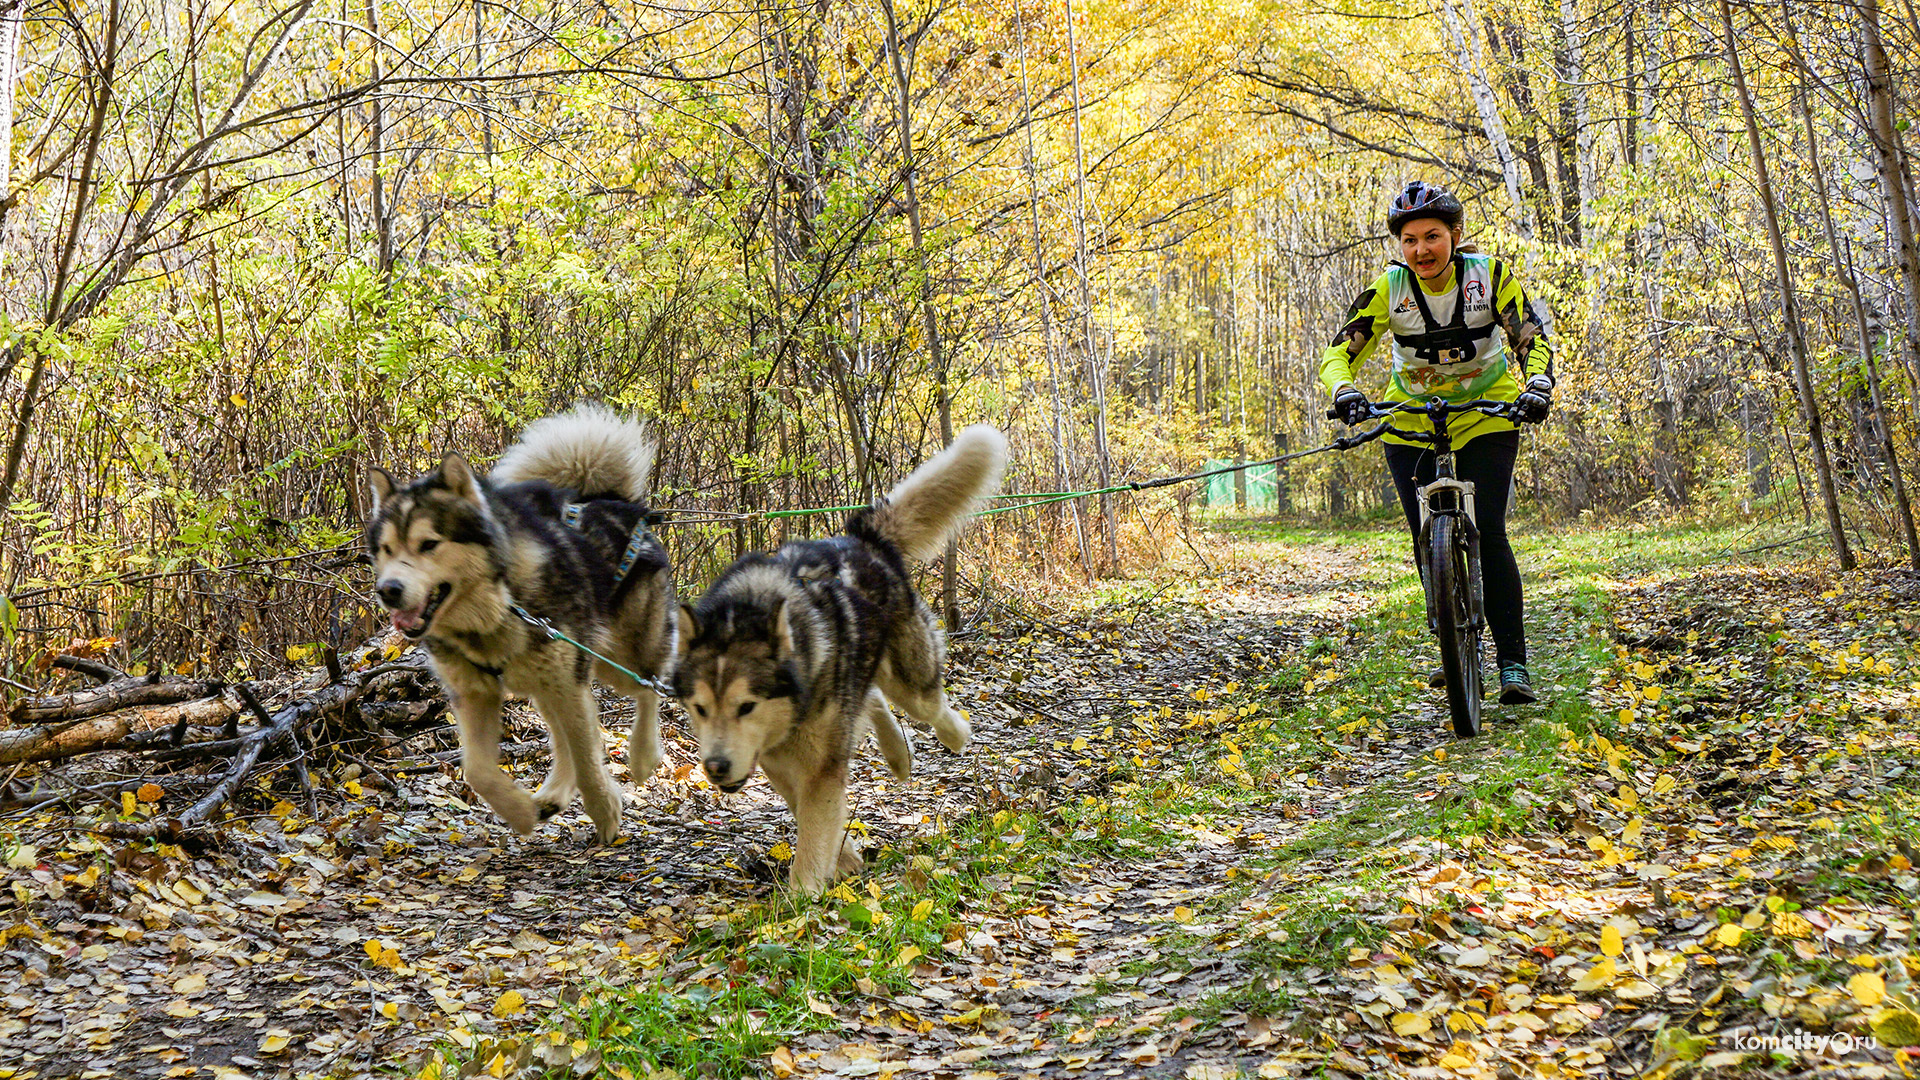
{"x": 1453, "y": 623}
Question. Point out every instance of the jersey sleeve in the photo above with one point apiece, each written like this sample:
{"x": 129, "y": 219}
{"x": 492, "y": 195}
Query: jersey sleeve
{"x": 1366, "y": 320}
{"x": 1524, "y": 321}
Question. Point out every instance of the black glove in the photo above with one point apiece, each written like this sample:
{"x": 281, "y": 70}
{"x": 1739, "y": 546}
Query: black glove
{"x": 1352, "y": 406}
{"x": 1532, "y": 404}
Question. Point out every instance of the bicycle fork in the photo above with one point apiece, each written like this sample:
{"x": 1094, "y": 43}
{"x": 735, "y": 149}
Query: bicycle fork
{"x": 1462, "y": 496}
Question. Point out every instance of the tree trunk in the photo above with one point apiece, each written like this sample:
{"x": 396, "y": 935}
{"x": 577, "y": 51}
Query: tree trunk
{"x": 1096, "y": 378}
{"x": 1759, "y": 463}
{"x": 57, "y": 303}
{"x": 1461, "y": 27}
{"x": 1577, "y": 113}
{"x": 929, "y": 318}
{"x": 383, "y": 225}
{"x": 1843, "y": 266}
{"x": 1062, "y": 474}
{"x": 12, "y": 28}
{"x": 1893, "y": 186}
{"x": 1789, "y": 307}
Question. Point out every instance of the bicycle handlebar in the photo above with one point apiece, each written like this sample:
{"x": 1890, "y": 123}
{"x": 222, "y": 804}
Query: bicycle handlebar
{"x": 1436, "y": 407}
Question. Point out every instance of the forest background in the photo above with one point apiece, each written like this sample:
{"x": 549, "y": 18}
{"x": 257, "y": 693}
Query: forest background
{"x": 247, "y": 250}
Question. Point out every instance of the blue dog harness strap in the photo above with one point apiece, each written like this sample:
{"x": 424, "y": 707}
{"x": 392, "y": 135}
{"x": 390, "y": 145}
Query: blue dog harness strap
{"x": 640, "y": 538}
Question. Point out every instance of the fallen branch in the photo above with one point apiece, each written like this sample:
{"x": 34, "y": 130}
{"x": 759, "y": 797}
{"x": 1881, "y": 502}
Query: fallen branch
{"x": 115, "y": 731}
{"x": 93, "y": 669}
{"x": 100, "y": 700}
{"x": 281, "y": 731}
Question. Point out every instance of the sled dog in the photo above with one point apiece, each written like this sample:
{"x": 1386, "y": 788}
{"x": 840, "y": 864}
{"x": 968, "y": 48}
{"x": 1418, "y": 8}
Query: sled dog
{"x": 561, "y": 532}
{"x": 791, "y": 655}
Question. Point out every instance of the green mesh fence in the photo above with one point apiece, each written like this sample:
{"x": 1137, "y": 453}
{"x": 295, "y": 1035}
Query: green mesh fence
{"x": 1261, "y": 488}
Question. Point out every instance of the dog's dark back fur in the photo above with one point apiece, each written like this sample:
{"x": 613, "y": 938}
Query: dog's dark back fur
{"x": 851, "y": 594}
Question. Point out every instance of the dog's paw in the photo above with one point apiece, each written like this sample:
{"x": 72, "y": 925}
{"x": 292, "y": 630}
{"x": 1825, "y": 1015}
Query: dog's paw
{"x": 606, "y": 815}
{"x": 953, "y": 730}
{"x": 552, "y": 798}
{"x": 642, "y": 761}
{"x": 850, "y": 862}
{"x": 522, "y": 815}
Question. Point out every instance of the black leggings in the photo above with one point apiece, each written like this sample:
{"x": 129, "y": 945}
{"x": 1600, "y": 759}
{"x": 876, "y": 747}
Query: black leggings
{"x": 1487, "y": 461}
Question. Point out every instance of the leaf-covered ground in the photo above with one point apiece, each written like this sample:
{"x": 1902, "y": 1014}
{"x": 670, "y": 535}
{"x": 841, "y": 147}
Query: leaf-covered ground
{"x": 1213, "y": 825}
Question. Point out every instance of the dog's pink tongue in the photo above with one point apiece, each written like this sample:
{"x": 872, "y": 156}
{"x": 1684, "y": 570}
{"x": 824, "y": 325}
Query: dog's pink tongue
{"x": 407, "y": 620}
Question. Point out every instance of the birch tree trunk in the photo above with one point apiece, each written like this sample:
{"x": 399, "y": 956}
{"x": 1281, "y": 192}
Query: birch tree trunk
{"x": 1789, "y": 307}
{"x": 12, "y": 28}
{"x": 1575, "y": 76}
{"x": 1044, "y": 294}
{"x": 929, "y": 318}
{"x": 1844, "y": 267}
{"x": 1466, "y": 46}
{"x": 1893, "y": 186}
{"x": 1096, "y": 379}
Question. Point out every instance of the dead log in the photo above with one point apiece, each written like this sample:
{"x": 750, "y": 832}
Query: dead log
{"x": 100, "y": 700}
{"x": 114, "y": 731}
{"x": 282, "y": 732}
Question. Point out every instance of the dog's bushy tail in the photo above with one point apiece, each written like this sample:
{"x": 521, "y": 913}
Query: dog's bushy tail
{"x": 590, "y": 448}
{"x": 923, "y": 511}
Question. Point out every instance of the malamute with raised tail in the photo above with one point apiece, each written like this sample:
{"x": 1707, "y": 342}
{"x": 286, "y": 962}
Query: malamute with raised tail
{"x": 562, "y": 533}
{"x": 791, "y": 655}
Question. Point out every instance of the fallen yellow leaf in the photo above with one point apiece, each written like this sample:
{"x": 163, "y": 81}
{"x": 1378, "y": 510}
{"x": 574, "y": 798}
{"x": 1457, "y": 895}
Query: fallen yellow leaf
{"x": 511, "y": 1003}
{"x": 1610, "y": 943}
{"x": 1407, "y": 1023}
{"x": 1897, "y": 1027}
{"x": 1729, "y": 935}
{"x": 1868, "y": 989}
{"x": 1597, "y": 976}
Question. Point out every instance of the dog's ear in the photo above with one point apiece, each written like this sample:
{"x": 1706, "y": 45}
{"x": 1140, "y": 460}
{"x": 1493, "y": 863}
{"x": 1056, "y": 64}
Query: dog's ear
{"x": 781, "y": 629}
{"x": 689, "y": 629}
{"x": 381, "y": 485}
{"x": 460, "y": 479}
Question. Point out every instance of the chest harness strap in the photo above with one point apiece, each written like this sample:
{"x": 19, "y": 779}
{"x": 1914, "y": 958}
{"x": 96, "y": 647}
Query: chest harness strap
{"x": 1455, "y": 341}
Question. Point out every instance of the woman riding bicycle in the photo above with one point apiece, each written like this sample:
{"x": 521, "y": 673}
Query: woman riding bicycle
{"x": 1442, "y": 306}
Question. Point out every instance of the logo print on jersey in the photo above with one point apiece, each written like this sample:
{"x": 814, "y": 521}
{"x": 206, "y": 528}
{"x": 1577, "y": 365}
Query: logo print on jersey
{"x": 1476, "y": 291}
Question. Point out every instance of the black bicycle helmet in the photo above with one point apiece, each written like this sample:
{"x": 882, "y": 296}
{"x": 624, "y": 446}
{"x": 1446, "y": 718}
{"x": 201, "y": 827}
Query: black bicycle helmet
{"x": 1423, "y": 200}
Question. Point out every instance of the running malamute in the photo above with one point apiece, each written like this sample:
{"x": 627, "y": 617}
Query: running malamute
{"x": 560, "y": 533}
{"x": 784, "y": 662}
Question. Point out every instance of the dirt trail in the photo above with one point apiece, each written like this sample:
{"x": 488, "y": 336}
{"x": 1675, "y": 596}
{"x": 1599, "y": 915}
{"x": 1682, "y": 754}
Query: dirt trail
{"x": 256, "y": 957}
{"x": 358, "y": 939}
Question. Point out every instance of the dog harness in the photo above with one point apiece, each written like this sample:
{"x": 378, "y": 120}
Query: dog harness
{"x": 642, "y": 536}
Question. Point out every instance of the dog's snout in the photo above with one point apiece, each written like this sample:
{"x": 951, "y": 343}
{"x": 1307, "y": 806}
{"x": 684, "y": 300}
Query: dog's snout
{"x": 391, "y": 592}
{"x": 717, "y": 767}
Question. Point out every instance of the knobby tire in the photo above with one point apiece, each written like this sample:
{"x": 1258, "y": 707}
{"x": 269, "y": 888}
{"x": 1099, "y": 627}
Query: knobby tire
{"x": 1453, "y": 623}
